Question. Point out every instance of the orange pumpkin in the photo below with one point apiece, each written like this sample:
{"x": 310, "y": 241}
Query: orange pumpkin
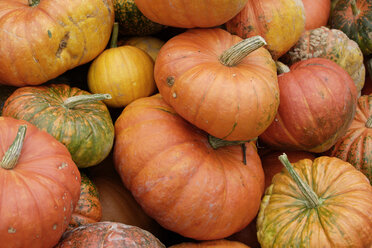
{"x": 316, "y": 13}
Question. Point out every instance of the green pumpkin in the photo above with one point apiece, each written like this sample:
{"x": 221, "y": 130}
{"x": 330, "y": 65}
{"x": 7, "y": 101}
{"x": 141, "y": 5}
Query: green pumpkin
{"x": 73, "y": 116}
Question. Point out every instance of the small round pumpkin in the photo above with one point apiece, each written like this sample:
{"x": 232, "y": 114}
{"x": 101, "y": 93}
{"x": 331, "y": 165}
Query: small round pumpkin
{"x": 151, "y": 45}
{"x": 221, "y": 243}
{"x": 355, "y": 146}
{"x": 220, "y": 83}
{"x": 73, "y": 116}
{"x": 279, "y": 22}
{"x": 179, "y": 179}
{"x": 316, "y": 13}
{"x": 108, "y": 235}
{"x": 321, "y": 203}
{"x": 40, "y": 186}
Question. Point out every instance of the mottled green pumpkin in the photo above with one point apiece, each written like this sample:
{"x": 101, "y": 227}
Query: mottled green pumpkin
{"x": 85, "y": 126}
{"x": 131, "y": 21}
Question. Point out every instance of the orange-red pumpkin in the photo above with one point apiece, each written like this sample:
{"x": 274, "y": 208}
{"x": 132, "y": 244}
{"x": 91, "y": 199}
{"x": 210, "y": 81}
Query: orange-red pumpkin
{"x": 316, "y": 13}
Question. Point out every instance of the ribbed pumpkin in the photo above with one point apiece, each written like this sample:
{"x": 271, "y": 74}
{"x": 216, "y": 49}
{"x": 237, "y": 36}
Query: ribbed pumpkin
{"x": 331, "y": 44}
{"x": 354, "y": 18}
{"x": 320, "y": 203}
{"x": 221, "y": 243}
{"x": 75, "y": 117}
{"x": 132, "y": 21}
{"x": 317, "y": 105}
{"x": 42, "y": 39}
{"x": 108, "y": 235}
{"x": 220, "y": 83}
{"x": 190, "y": 14}
{"x": 316, "y": 13}
{"x": 177, "y": 177}
{"x": 40, "y": 186}
{"x": 355, "y": 146}
{"x": 151, "y": 45}
{"x": 279, "y": 22}
{"x": 88, "y": 209}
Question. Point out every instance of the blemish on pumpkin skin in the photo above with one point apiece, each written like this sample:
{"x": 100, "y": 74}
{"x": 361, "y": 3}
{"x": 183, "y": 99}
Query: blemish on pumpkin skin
{"x": 11, "y": 230}
{"x": 62, "y": 44}
{"x": 63, "y": 165}
{"x": 54, "y": 227}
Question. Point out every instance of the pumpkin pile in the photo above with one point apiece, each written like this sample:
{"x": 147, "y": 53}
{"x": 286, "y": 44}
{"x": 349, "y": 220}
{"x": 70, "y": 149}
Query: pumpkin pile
{"x": 173, "y": 123}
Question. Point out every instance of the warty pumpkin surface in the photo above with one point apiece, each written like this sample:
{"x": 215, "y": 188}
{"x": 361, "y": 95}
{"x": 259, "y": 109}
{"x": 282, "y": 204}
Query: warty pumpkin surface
{"x": 179, "y": 179}
{"x": 41, "y": 39}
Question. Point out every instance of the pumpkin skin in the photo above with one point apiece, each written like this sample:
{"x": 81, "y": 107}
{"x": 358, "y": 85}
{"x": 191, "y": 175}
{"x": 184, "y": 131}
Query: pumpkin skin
{"x": 85, "y": 129}
{"x": 125, "y": 72}
{"x": 151, "y": 45}
{"x": 186, "y": 14}
{"x": 217, "y": 98}
{"x": 88, "y": 209}
{"x": 355, "y": 146}
{"x": 342, "y": 219}
{"x": 108, "y": 235}
{"x": 331, "y": 44}
{"x": 316, "y": 13}
{"x": 179, "y": 179}
{"x": 221, "y": 243}
{"x": 317, "y": 105}
{"x": 354, "y": 19}
{"x": 279, "y": 22}
{"x": 46, "y": 183}
{"x": 35, "y": 48}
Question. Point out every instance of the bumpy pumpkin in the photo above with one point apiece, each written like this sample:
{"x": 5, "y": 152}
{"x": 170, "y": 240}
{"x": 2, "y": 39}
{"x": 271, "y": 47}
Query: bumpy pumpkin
{"x": 221, "y": 243}
{"x": 41, "y": 39}
{"x": 220, "y": 83}
{"x": 40, "y": 186}
{"x": 151, "y": 45}
{"x": 331, "y": 44}
{"x": 316, "y": 13}
{"x": 320, "y": 203}
{"x": 279, "y": 22}
{"x": 108, "y": 235}
{"x": 354, "y": 18}
{"x": 75, "y": 117}
{"x": 177, "y": 177}
{"x": 355, "y": 146}
{"x": 187, "y": 14}
{"x": 317, "y": 105}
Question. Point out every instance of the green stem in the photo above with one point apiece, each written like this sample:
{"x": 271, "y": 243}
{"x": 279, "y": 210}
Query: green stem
{"x": 11, "y": 156}
{"x": 281, "y": 68}
{"x": 81, "y": 99}
{"x": 312, "y": 200}
{"x": 235, "y": 54}
{"x": 369, "y": 122}
{"x": 354, "y": 8}
{"x": 33, "y": 3}
{"x": 114, "y": 35}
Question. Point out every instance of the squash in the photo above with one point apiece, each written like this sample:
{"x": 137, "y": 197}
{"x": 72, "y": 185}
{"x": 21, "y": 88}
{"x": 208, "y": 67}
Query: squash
{"x": 42, "y": 39}
{"x": 355, "y": 146}
{"x": 186, "y": 14}
{"x": 220, "y": 83}
{"x": 179, "y": 179}
{"x": 151, "y": 45}
{"x": 317, "y": 105}
{"x": 279, "y": 22}
{"x": 321, "y": 203}
{"x": 221, "y": 243}
{"x": 331, "y": 44}
{"x": 40, "y": 186}
{"x": 75, "y": 117}
{"x": 354, "y": 18}
{"x": 316, "y": 13}
{"x": 108, "y": 235}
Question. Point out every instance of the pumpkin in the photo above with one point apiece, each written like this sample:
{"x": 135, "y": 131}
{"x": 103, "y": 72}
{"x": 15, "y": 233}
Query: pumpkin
{"x": 186, "y": 14}
{"x": 321, "y": 203}
{"x": 317, "y": 105}
{"x": 316, "y": 13}
{"x": 132, "y": 21}
{"x": 220, "y": 83}
{"x": 73, "y": 116}
{"x": 88, "y": 209}
{"x": 42, "y": 39}
{"x": 279, "y": 22}
{"x": 124, "y": 72}
{"x": 151, "y": 45}
{"x": 40, "y": 186}
{"x": 221, "y": 243}
{"x": 331, "y": 44}
{"x": 5, "y": 92}
{"x": 179, "y": 179}
{"x": 354, "y": 18}
{"x": 355, "y": 146}
{"x": 108, "y": 235}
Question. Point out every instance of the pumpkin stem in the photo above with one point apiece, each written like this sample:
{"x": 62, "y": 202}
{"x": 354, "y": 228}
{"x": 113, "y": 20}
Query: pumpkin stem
{"x": 114, "y": 35}
{"x": 33, "y": 3}
{"x": 312, "y": 200}
{"x": 281, "y": 68}
{"x": 232, "y": 56}
{"x": 369, "y": 122}
{"x": 11, "y": 156}
{"x": 81, "y": 99}
{"x": 354, "y": 8}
